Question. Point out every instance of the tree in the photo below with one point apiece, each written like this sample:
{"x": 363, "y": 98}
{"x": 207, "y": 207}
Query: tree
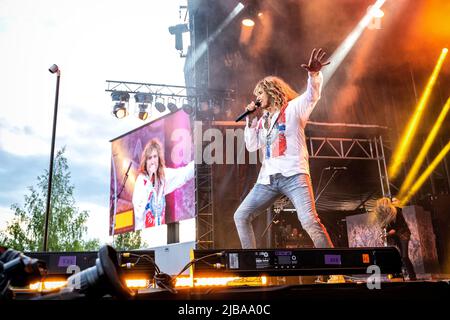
{"x": 129, "y": 241}
{"x": 67, "y": 224}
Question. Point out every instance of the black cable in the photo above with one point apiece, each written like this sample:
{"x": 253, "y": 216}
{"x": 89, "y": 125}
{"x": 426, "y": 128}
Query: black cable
{"x": 162, "y": 280}
{"x": 139, "y": 256}
{"x": 165, "y": 281}
{"x": 219, "y": 254}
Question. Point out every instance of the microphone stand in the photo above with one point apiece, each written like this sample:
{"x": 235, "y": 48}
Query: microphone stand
{"x": 124, "y": 181}
{"x": 271, "y": 223}
{"x": 326, "y": 185}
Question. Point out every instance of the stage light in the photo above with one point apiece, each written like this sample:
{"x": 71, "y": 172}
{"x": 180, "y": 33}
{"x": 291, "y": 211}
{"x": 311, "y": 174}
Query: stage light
{"x": 251, "y": 14}
{"x": 171, "y": 105}
{"x": 121, "y": 98}
{"x": 416, "y": 186}
{"x": 402, "y": 149}
{"x": 187, "y": 107}
{"x": 143, "y": 100}
{"x": 424, "y": 150}
{"x": 143, "y": 114}
{"x": 159, "y": 105}
{"x": 119, "y": 110}
{"x": 248, "y": 22}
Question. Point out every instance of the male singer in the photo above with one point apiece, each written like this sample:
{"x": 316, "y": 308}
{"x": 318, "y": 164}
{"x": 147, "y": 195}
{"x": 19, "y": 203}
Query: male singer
{"x": 285, "y": 170}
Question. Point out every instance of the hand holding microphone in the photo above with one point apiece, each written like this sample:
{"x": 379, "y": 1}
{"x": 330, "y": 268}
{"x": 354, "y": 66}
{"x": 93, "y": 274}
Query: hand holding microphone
{"x": 249, "y": 109}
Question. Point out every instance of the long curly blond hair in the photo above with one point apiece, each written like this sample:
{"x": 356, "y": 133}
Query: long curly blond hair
{"x": 153, "y": 144}
{"x": 385, "y": 212}
{"x": 279, "y": 92}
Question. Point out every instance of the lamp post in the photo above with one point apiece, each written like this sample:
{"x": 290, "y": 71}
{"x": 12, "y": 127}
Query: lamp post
{"x": 53, "y": 69}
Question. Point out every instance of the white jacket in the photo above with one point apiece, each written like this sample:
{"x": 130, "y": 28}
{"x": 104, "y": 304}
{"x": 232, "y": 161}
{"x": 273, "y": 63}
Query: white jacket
{"x": 174, "y": 179}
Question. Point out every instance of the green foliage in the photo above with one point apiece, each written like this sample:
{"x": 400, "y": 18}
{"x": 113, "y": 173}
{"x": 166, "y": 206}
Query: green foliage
{"x": 129, "y": 241}
{"x": 67, "y": 224}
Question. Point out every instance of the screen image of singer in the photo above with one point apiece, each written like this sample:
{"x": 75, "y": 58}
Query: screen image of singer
{"x": 152, "y": 175}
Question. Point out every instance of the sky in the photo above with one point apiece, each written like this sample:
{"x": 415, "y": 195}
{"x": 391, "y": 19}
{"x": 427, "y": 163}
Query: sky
{"x": 91, "y": 42}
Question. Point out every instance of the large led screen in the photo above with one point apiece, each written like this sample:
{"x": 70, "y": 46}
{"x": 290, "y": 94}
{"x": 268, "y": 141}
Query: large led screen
{"x": 152, "y": 175}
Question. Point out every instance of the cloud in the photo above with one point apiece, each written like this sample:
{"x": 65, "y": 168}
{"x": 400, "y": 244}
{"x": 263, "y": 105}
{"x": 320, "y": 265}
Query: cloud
{"x": 98, "y": 221}
{"x": 18, "y": 173}
{"x": 22, "y": 139}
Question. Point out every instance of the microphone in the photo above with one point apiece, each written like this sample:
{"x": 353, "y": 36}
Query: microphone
{"x": 129, "y": 167}
{"x": 247, "y": 112}
{"x": 335, "y": 168}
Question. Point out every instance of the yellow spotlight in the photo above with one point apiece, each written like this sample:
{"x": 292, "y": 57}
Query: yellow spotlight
{"x": 248, "y": 22}
{"x": 416, "y": 186}
{"x": 402, "y": 150}
{"x": 423, "y": 152}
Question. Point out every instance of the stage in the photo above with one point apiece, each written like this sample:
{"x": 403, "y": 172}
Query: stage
{"x": 267, "y": 302}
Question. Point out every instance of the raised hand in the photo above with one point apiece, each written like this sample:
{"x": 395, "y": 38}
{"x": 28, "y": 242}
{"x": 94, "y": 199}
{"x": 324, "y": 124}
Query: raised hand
{"x": 315, "y": 63}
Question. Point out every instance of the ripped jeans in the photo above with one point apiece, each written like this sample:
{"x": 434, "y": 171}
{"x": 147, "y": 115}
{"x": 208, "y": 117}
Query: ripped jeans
{"x": 298, "y": 189}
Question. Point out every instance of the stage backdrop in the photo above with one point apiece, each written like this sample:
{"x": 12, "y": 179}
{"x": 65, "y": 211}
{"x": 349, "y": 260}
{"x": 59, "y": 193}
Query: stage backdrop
{"x": 174, "y": 134}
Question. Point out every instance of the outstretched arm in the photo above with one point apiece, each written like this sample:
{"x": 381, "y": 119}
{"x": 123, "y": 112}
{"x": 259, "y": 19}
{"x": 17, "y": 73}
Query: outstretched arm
{"x": 315, "y": 63}
{"x": 175, "y": 178}
{"x": 305, "y": 103}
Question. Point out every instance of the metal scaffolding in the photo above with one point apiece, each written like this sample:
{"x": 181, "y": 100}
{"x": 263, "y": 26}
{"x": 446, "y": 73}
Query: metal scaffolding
{"x": 204, "y": 205}
{"x": 352, "y": 149}
{"x": 155, "y": 89}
